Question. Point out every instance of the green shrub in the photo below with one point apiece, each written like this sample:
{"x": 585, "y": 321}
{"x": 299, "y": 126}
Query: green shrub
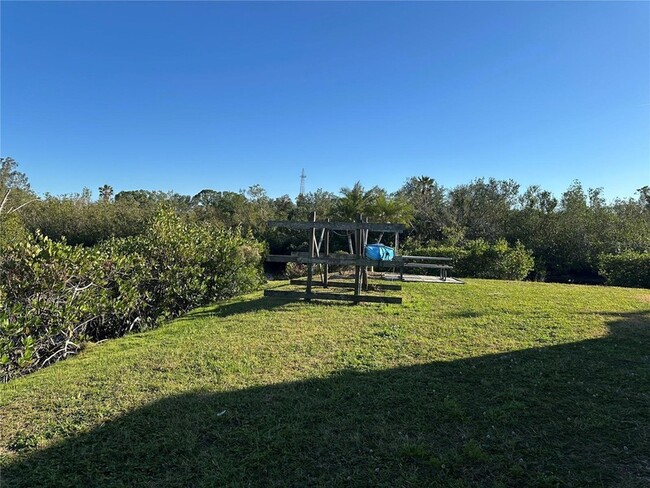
{"x": 54, "y": 296}
{"x": 504, "y": 262}
{"x": 479, "y": 259}
{"x": 83, "y": 222}
{"x": 628, "y": 268}
{"x": 186, "y": 264}
{"x": 295, "y": 270}
{"x": 51, "y": 292}
{"x": 12, "y": 230}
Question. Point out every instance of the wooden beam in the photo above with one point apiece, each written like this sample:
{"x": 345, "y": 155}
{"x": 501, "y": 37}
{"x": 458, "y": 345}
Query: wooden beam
{"x": 426, "y": 258}
{"x": 371, "y": 226}
{"x": 339, "y": 284}
{"x": 427, "y": 266}
{"x": 327, "y": 252}
{"x": 362, "y": 253}
{"x": 312, "y": 245}
{"x": 332, "y": 260}
{"x": 357, "y": 268}
{"x": 332, "y": 296}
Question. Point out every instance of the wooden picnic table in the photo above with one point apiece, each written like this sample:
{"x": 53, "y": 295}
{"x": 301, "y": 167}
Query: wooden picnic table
{"x": 412, "y": 262}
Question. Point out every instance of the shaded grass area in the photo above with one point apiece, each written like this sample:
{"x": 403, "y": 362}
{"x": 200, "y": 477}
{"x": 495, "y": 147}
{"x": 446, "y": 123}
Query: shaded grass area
{"x": 487, "y": 384}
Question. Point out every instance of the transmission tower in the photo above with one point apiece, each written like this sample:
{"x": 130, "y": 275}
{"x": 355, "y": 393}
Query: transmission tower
{"x": 303, "y": 176}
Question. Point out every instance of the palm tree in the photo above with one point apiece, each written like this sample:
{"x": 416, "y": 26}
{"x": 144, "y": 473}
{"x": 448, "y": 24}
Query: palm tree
{"x": 354, "y": 201}
{"x": 106, "y": 193}
{"x": 424, "y": 184}
{"x": 394, "y": 210}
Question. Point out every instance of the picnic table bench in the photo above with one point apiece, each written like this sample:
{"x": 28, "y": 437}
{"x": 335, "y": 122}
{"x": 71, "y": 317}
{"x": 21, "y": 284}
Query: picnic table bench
{"x": 436, "y": 263}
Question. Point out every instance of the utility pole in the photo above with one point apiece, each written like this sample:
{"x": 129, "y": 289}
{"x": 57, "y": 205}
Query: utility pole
{"x": 303, "y": 176}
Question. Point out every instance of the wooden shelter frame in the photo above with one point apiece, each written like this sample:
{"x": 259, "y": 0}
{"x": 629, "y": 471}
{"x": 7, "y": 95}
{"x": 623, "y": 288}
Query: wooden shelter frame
{"x": 361, "y": 227}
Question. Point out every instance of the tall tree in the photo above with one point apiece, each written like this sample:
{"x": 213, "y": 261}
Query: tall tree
{"x": 15, "y": 191}
{"x": 534, "y": 224}
{"x": 430, "y": 212}
{"x": 355, "y": 201}
{"x": 644, "y": 196}
{"x": 423, "y": 184}
{"x": 320, "y": 201}
{"x": 106, "y": 193}
{"x": 482, "y": 207}
{"x": 394, "y": 210}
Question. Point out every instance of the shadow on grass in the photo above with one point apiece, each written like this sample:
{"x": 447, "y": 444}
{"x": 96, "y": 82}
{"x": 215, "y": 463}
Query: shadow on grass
{"x": 235, "y": 308}
{"x": 256, "y": 305}
{"x": 568, "y": 415}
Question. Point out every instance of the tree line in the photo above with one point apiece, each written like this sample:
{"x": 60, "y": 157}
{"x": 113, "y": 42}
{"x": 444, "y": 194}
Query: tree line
{"x": 567, "y": 235}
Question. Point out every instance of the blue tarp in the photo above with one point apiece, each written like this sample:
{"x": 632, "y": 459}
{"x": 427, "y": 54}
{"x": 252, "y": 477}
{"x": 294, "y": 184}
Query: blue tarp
{"x": 380, "y": 252}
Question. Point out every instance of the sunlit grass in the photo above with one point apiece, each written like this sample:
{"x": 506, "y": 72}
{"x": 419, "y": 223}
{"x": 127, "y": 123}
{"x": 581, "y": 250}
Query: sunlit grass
{"x": 485, "y": 384}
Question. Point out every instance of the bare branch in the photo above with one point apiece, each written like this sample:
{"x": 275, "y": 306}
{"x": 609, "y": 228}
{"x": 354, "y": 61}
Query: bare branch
{"x": 4, "y": 200}
{"x": 21, "y": 206}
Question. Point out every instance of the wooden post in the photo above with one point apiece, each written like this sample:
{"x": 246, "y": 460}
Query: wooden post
{"x": 397, "y": 251}
{"x": 327, "y": 254}
{"x": 317, "y": 247}
{"x": 364, "y": 270}
{"x": 357, "y": 268}
{"x": 310, "y": 266}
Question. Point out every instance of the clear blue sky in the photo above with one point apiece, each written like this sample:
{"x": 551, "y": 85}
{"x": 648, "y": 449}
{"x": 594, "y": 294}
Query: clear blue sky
{"x": 187, "y": 96}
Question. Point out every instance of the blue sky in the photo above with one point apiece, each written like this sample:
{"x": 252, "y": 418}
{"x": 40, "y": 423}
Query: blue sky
{"x": 186, "y": 96}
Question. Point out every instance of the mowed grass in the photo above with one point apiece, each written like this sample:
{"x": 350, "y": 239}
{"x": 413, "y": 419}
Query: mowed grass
{"x": 486, "y": 384}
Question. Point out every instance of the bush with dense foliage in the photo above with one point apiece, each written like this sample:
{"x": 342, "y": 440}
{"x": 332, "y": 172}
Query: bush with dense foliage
{"x": 81, "y": 221}
{"x": 12, "y": 230}
{"x": 566, "y": 233}
{"x": 479, "y": 259}
{"x": 54, "y": 296}
{"x": 295, "y": 270}
{"x": 626, "y": 269}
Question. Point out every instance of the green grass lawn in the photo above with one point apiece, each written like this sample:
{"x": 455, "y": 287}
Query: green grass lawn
{"x": 486, "y": 384}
